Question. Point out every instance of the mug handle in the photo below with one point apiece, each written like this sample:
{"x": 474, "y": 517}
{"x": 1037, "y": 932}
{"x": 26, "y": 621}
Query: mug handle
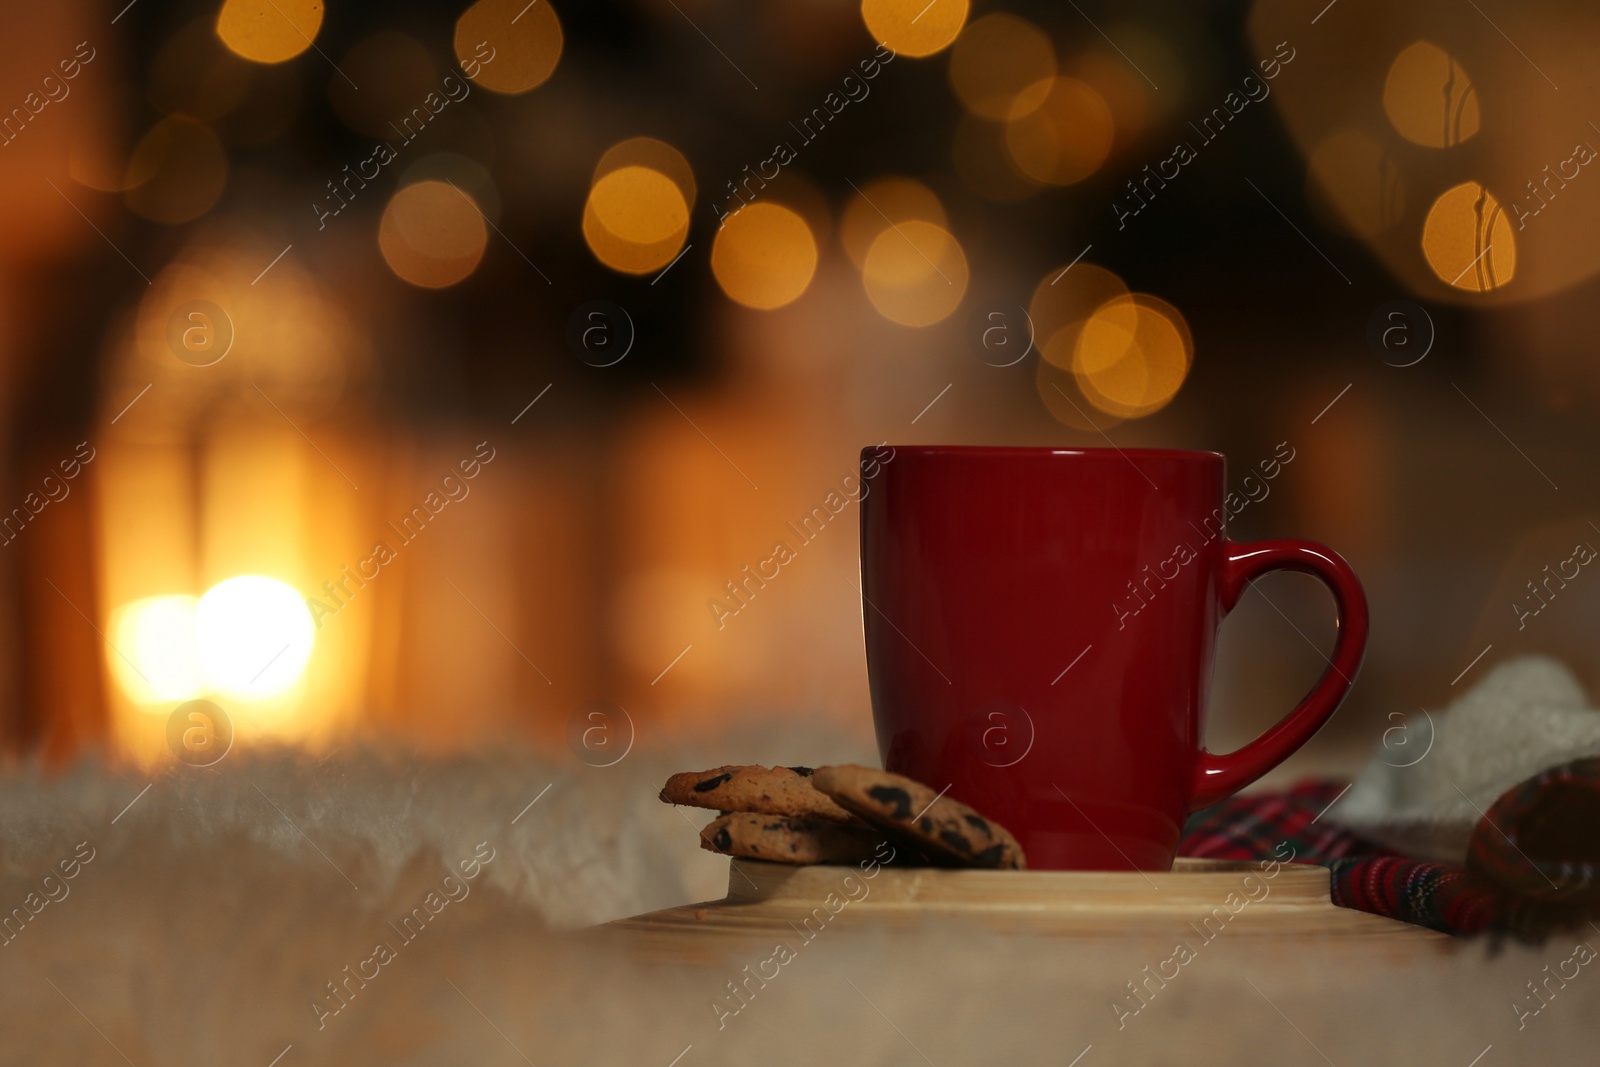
{"x": 1219, "y": 777}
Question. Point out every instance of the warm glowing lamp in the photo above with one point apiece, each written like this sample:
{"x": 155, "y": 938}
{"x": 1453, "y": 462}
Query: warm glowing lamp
{"x": 254, "y": 636}
{"x": 248, "y": 638}
{"x": 153, "y": 653}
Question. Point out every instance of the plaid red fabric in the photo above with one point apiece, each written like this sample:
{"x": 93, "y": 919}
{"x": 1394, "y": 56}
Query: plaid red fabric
{"x": 1542, "y": 838}
{"x": 1491, "y": 894}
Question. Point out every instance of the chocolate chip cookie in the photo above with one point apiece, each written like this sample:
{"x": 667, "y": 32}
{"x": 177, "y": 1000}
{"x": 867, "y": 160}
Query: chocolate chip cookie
{"x": 907, "y": 810}
{"x": 765, "y": 790}
{"x": 789, "y": 839}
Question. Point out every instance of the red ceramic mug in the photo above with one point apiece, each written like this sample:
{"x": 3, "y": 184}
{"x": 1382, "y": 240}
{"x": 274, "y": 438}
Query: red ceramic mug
{"x": 1039, "y": 630}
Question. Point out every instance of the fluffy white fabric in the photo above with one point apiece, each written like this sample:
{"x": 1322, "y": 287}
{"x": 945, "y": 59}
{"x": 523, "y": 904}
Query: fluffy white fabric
{"x": 595, "y": 845}
{"x": 209, "y": 927}
{"x": 1525, "y": 716}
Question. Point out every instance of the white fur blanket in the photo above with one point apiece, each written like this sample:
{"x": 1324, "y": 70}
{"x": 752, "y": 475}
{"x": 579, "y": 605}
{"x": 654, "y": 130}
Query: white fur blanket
{"x": 1424, "y": 797}
{"x": 235, "y": 917}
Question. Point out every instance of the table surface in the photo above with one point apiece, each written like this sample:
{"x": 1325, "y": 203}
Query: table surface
{"x": 1197, "y": 898}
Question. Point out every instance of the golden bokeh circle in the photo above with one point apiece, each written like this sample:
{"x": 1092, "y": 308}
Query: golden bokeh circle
{"x": 652, "y": 153}
{"x": 628, "y": 257}
{"x": 177, "y": 171}
{"x": 269, "y": 31}
{"x": 915, "y": 273}
{"x": 525, "y": 41}
{"x": 1063, "y": 301}
{"x": 1429, "y": 98}
{"x": 1066, "y": 138}
{"x": 764, "y": 256}
{"x": 639, "y": 205}
{"x": 464, "y": 172}
{"x": 882, "y": 203}
{"x": 432, "y": 234}
{"x": 801, "y": 195}
{"x": 1468, "y": 241}
{"x": 1132, "y": 356}
{"x": 1001, "y": 66}
{"x": 635, "y": 219}
{"x": 914, "y": 27}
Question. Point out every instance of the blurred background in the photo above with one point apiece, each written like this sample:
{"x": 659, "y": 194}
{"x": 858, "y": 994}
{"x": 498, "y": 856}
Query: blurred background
{"x": 430, "y": 370}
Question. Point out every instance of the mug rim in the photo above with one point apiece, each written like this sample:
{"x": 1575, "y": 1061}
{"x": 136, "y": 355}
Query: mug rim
{"x": 1044, "y": 451}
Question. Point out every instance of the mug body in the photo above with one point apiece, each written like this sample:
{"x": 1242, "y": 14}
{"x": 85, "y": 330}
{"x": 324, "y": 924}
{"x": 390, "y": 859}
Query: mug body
{"x": 1039, "y": 630}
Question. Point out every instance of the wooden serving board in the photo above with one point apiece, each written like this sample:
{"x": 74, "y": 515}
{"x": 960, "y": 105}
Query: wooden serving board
{"x": 1195, "y": 898}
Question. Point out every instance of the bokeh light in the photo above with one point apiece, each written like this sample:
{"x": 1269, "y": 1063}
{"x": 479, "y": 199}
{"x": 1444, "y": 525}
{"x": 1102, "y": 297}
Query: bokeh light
{"x": 1468, "y": 241}
{"x": 882, "y": 203}
{"x": 1132, "y": 355}
{"x": 801, "y": 195}
{"x": 524, "y": 39}
{"x": 764, "y": 255}
{"x": 395, "y": 74}
{"x": 1105, "y": 354}
{"x": 636, "y": 219}
{"x": 915, "y": 273}
{"x": 464, "y": 172}
{"x": 177, "y": 172}
{"x": 914, "y": 27}
{"x": 254, "y": 636}
{"x": 1429, "y": 98}
{"x": 1001, "y": 66}
{"x": 1443, "y": 112}
{"x": 639, "y": 205}
{"x": 1063, "y": 301}
{"x": 269, "y": 31}
{"x": 652, "y": 153}
{"x": 432, "y": 234}
{"x": 153, "y": 653}
{"x": 1126, "y": 93}
{"x": 1066, "y": 138}
{"x": 1354, "y": 184}
{"x": 292, "y": 336}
